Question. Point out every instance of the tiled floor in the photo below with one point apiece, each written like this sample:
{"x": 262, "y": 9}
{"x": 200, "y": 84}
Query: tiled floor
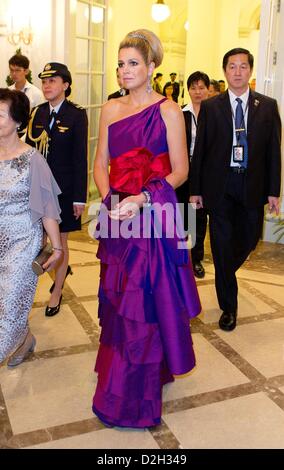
{"x": 234, "y": 398}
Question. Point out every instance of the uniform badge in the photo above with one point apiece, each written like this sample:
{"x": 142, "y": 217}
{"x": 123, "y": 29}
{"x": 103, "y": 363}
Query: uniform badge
{"x": 47, "y": 67}
{"x": 63, "y": 129}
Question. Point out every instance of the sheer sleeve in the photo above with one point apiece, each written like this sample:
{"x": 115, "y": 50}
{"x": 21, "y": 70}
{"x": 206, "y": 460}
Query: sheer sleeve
{"x": 44, "y": 190}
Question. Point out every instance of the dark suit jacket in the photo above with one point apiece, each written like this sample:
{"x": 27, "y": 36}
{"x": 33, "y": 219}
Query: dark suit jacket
{"x": 117, "y": 94}
{"x": 182, "y": 191}
{"x": 67, "y": 155}
{"x": 213, "y": 147}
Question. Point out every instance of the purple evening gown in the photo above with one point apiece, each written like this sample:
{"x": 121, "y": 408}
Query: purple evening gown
{"x": 147, "y": 290}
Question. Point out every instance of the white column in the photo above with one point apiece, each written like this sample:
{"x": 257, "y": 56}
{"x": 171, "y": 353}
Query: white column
{"x": 270, "y": 75}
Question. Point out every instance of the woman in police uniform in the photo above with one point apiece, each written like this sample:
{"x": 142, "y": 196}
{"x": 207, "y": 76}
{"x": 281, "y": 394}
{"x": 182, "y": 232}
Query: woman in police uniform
{"x": 59, "y": 129}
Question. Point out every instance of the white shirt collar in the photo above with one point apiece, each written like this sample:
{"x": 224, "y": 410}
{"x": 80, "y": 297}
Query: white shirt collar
{"x": 56, "y": 108}
{"x": 244, "y": 97}
{"x": 27, "y": 86}
{"x": 188, "y": 107}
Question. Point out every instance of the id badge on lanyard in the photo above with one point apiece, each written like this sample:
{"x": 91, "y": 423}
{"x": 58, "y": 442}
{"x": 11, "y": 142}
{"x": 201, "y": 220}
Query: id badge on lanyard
{"x": 238, "y": 154}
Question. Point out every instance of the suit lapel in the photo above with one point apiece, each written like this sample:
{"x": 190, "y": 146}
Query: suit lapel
{"x": 225, "y": 105}
{"x": 188, "y": 117}
{"x": 253, "y": 106}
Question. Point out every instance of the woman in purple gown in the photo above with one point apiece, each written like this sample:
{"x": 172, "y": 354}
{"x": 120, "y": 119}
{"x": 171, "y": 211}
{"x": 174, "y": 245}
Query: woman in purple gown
{"x": 147, "y": 290}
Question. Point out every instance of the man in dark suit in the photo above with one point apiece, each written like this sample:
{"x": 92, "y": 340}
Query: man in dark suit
{"x": 175, "y": 85}
{"x": 121, "y": 92}
{"x": 236, "y": 169}
{"x": 59, "y": 129}
{"x": 198, "y": 85}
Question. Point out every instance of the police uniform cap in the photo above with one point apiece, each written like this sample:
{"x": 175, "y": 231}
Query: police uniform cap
{"x": 53, "y": 69}
{"x": 173, "y": 73}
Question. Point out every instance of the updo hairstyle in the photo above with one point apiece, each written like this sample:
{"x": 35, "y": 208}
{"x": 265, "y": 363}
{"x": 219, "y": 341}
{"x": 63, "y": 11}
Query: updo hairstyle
{"x": 147, "y": 43}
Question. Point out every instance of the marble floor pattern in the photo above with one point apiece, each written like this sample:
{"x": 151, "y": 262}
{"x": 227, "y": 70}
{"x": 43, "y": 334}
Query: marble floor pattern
{"x": 234, "y": 398}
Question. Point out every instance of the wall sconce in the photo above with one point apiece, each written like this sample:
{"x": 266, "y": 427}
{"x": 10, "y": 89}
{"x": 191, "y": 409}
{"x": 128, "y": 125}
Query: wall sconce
{"x": 160, "y": 11}
{"x": 25, "y": 35}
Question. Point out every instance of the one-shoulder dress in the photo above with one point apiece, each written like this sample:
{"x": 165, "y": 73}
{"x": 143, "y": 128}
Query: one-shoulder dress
{"x": 28, "y": 192}
{"x": 147, "y": 292}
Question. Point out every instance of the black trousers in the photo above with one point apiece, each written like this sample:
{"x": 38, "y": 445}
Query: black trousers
{"x": 197, "y": 252}
{"x": 234, "y": 232}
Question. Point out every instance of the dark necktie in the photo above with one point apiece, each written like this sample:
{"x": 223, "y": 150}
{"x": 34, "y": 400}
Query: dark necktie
{"x": 51, "y": 117}
{"x": 241, "y": 134}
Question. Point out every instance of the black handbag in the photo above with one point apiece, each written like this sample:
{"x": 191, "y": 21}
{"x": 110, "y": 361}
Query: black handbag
{"x": 40, "y": 259}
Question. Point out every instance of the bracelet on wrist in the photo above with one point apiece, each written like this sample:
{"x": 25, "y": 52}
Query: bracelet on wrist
{"x": 148, "y": 198}
{"x": 59, "y": 249}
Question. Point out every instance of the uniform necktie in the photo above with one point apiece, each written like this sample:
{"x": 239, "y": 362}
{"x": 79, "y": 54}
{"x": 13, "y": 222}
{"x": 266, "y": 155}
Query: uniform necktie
{"x": 241, "y": 134}
{"x": 52, "y": 118}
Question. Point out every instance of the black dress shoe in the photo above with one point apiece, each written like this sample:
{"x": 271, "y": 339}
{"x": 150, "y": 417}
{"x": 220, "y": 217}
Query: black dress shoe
{"x": 198, "y": 269}
{"x": 228, "y": 321}
{"x": 69, "y": 271}
{"x": 51, "y": 311}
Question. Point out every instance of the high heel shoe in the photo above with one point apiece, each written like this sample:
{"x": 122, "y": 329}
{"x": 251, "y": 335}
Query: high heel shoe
{"x": 69, "y": 271}
{"x": 23, "y": 351}
{"x": 51, "y": 311}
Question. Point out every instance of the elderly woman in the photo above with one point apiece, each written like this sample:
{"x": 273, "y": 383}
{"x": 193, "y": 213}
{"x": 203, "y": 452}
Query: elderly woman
{"x": 28, "y": 201}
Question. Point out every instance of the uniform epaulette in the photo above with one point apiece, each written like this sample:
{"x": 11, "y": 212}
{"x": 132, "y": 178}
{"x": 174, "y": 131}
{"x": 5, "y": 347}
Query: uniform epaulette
{"x": 40, "y": 105}
{"x": 76, "y": 105}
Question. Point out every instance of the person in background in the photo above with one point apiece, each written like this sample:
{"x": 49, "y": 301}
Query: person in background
{"x": 168, "y": 91}
{"x": 122, "y": 91}
{"x": 214, "y": 88}
{"x": 222, "y": 86}
{"x": 28, "y": 202}
{"x": 198, "y": 86}
{"x": 236, "y": 170}
{"x": 252, "y": 84}
{"x": 157, "y": 83}
{"x": 147, "y": 290}
{"x": 175, "y": 85}
{"x": 59, "y": 128}
{"x": 19, "y": 69}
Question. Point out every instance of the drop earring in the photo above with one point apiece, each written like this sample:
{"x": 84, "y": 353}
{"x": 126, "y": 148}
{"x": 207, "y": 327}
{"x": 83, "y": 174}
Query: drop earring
{"x": 149, "y": 88}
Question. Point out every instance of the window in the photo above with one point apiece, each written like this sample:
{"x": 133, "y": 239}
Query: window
{"x": 89, "y": 82}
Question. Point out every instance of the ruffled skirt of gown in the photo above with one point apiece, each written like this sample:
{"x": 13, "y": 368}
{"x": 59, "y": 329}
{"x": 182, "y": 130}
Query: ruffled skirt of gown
{"x": 144, "y": 307}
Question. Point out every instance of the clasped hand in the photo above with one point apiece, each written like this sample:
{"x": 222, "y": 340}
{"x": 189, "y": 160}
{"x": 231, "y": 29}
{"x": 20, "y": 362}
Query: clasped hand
{"x": 128, "y": 208}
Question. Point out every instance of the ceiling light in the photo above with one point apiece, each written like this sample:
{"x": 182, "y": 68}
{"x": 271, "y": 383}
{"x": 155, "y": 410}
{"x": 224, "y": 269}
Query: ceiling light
{"x": 160, "y": 11}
